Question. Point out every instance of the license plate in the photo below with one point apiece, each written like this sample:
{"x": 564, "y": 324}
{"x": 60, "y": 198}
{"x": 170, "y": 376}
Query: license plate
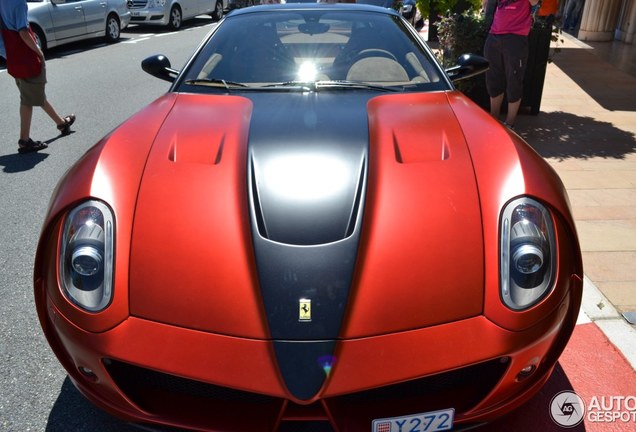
{"x": 425, "y": 422}
{"x": 135, "y": 13}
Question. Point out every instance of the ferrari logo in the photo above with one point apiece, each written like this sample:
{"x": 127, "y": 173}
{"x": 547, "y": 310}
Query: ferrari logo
{"x": 304, "y": 310}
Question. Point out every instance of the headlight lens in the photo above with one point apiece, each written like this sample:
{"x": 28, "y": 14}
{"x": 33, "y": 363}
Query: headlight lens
{"x": 86, "y": 261}
{"x": 528, "y": 249}
{"x": 156, "y": 3}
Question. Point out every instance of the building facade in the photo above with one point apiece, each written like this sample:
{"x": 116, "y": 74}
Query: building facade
{"x": 607, "y": 20}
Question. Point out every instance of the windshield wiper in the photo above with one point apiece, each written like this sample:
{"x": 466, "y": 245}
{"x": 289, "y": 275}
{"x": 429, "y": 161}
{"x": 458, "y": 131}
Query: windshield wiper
{"x": 336, "y": 84}
{"x": 215, "y": 82}
{"x": 293, "y": 85}
{"x": 355, "y": 85}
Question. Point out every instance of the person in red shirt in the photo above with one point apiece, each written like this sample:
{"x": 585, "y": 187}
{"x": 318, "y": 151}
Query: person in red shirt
{"x": 506, "y": 49}
{"x": 13, "y": 18}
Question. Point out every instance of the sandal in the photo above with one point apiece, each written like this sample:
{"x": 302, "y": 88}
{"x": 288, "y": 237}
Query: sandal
{"x": 30, "y": 146}
{"x": 65, "y": 128}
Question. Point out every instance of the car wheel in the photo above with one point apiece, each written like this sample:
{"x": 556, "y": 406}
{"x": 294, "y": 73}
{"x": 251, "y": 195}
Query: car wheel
{"x": 175, "y": 18}
{"x": 218, "y": 10}
{"x": 113, "y": 29}
{"x": 40, "y": 39}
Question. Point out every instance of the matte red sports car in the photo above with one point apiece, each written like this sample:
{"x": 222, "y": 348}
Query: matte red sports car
{"x": 311, "y": 229}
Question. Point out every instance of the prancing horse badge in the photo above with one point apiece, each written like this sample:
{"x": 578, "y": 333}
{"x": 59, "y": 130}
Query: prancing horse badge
{"x": 304, "y": 310}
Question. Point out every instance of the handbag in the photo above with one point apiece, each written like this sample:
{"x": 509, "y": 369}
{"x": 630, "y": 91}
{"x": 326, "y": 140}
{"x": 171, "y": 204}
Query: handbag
{"x": 22, "y": 61}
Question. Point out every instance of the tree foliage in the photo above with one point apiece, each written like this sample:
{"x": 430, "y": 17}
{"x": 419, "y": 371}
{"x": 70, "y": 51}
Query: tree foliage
{"x": 443, "y": 7}
{"x": 461, "y": 34}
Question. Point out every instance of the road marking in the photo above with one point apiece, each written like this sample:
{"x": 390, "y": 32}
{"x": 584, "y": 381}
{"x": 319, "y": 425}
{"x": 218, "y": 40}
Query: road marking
{"x": 134, "y": 41}
{"x": 165, "y": 34}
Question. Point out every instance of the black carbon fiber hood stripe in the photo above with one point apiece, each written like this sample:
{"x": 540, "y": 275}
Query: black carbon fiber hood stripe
{"x": 307, "y": 176}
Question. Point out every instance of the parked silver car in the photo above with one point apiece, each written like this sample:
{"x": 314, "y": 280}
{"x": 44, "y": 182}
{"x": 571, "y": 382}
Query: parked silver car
{"x": 172, "y": 13}
{"x": 56, "y": 22}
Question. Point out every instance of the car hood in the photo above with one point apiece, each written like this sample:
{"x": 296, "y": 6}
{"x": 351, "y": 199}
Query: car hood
{"x": 364, "y": 209}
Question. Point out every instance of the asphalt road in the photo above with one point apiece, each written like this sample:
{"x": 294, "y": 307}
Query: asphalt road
{"x": 103, "y": 85}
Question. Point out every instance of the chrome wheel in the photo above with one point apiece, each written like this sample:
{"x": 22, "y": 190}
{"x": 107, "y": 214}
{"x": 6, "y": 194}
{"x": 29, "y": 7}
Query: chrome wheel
{"x": 218, "y": 11}
{"x": 175, "y": 18}
{"x": 113, "y": 29}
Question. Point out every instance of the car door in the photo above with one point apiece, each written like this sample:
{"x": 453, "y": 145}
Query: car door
{"x": 68, "y": 18}
{"x": 189, "y": 8}
{"x": 206, "y": 6}
{"x": 95, "y": 15}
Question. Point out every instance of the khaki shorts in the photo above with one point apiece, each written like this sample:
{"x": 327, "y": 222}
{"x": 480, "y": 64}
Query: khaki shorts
{"x": 32, "y": 89}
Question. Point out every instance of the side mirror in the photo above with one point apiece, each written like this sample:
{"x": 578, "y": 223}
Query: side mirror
{"x": 159, "y": 66}
{"x": 468, "y": 65}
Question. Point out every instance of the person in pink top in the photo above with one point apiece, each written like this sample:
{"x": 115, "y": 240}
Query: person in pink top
{"x": 506, "y": 49}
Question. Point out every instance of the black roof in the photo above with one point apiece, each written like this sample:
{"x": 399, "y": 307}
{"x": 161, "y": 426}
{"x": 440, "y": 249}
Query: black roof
{"x": 311, "y": 4}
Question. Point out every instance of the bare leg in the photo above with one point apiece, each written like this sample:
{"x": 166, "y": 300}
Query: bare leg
{"x": 495, "y": 105}
{"x": 48, "y": 108}
{"x": 26, "y": 114}
{"x": 513, "y": 109}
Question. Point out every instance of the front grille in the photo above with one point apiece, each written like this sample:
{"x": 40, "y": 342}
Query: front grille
{"x": 461, "y": 389}
{"x": 305, "y": 426}
{"x": 203, "y": 405}
{"x": 137, "y": 4}
{"x": 193, "y": 402}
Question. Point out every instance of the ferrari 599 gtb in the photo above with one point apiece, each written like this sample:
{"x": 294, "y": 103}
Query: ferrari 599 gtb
{"x": 311, "y": 229}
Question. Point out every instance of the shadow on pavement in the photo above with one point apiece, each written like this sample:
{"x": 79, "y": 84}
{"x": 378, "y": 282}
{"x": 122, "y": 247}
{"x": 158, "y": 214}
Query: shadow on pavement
{"x": 563, "y": 135}
{"x": 16, "y": 162}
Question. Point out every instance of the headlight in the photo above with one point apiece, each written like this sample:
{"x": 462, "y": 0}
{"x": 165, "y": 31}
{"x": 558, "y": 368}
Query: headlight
{"x": 86, "y": 256}
{"x": 156, "y": 3}
{"x": 527, "y": 259}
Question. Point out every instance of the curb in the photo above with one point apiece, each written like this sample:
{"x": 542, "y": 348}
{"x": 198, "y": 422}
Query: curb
{"x": 596, "y": 308}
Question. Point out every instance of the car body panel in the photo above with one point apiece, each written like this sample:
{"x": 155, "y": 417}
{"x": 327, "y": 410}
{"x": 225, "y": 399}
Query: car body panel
{"x": 71, "y": 21}
{"x": 145, "y": 13}
{"x": 239, "y": 288}
{"x": 520, "y": 161}
{"x": 208, "y": 159}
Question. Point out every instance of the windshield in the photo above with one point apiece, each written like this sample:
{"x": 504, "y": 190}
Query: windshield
{"x": 269, "y": 49}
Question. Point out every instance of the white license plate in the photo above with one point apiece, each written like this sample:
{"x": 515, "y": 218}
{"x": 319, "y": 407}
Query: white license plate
{"x": 135, "y": 13}
{"x": 425, "y": 422}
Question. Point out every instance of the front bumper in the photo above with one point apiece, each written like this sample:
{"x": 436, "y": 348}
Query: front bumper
{"x": 124, "y": 19}
{"x": 154, "y": 16}
{"x": 151, "y": 372}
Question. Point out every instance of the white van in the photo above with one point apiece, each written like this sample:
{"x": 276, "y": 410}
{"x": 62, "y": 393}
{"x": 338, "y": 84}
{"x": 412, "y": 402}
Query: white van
{"x": 172, "y": 13}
